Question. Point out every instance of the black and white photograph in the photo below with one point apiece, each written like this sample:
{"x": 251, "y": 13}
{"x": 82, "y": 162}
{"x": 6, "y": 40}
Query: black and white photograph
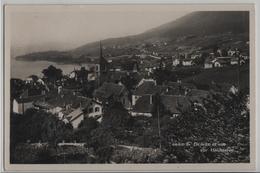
{"x": 128, "y": 84}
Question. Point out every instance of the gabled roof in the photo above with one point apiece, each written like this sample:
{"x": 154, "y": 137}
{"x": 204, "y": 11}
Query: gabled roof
{"x": 29, "y": 99}
{"x": 108, "y": 89}
{"x": 67, "y": 98}
{"x": 198, "y": 93}
{"x": 182, "y": 84}
{"x": 116, "y": 76}
{"x": 75, "y": 114}
{"x": 146, "y": 88}
{"x": 143, "y": 105}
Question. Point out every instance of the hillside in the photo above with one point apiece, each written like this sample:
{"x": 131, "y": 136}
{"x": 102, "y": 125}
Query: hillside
{"x": 227, "y": 76}
{"x": 197, "y": 30}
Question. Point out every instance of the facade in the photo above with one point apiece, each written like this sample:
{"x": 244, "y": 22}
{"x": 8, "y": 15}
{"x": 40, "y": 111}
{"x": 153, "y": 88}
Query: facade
{"x": 175, "y": 62}
{"x": 187, "y": 62}
{"x": 143, "y": 106}
{"x": 95, "y": 110}
{"x": 20, "y": 105}
{"x": 111, "y": 92}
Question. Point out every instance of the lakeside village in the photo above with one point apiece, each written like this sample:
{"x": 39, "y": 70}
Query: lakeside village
{"x": 138, "y": 84}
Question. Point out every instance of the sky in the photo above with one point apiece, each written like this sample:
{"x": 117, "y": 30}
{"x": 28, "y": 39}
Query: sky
{"x": 35, "y": 28}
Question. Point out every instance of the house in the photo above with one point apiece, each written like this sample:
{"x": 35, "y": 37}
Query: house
{"x": 91, "y": 70}
{"x": 234, "y": 61}
{"x": 116, "y": 76}
{"x": 94, "y": 109}
{"x": 144, "y": 88}
{"x": 21, "y": 104}
{"x": 175, "y": 62}
{"x": 231, "y": 52}
{"x": 221, "y": 62}
{"x": 175, "y": 105}
{"x": 143, "y": 106}
{"x": 29, "y": 80}
{"x": 208, "y": 63}
{"x": 178, "y": 88}
{"x": 75, "y": 117}
{"x": 187, "y": 62}
{"x": 111, "y": 92}
{"x": 195, "y": 56}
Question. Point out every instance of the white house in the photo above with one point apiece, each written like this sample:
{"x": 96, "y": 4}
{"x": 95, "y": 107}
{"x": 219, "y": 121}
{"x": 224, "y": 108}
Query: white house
{"x": 187, "y": 62}
{"x": 95, "y": 109}
{"x": 234, "y": 61}
{"x": 175, "y": 62}
{"x": 20, "y": 105}
{"x": 208, "y": 64}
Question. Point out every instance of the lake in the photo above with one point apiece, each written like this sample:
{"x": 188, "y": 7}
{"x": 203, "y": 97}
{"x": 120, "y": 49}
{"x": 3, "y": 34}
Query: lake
{"x": 23, "y": 69}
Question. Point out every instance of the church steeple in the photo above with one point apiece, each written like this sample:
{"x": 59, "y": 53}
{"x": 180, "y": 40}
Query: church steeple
{"x": 102, "y": 61}
{"x": 103, "y": 65}
{"x": 100, "y": 49}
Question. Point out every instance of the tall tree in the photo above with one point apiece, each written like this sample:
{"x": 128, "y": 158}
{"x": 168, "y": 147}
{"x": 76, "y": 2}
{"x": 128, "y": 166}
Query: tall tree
{"x": 52, "y": 73}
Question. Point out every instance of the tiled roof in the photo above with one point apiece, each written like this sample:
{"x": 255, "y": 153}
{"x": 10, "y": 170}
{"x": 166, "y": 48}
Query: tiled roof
{"x": 116, "y": 76}
{"x": 176, "y": 84}
{"x": 143, "y": 105}
{"x": 75, "y": 114}
{"x": 107, "y": 90}
{"x": 29, "y": 99}
{"x": 146, "y": 88}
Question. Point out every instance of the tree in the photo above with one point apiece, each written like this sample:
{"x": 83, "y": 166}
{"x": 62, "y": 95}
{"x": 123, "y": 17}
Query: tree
{"x": 52, "y": 73}
{"x": 34, "y": 78}
{"x": 102, "y": 141}
{"x": 222, "y": 119}
{"x": 83, "y": 75}
{"x": 36, "y": 125}
{"x": 116, "y": 118}
{"x": 83, "y": 133}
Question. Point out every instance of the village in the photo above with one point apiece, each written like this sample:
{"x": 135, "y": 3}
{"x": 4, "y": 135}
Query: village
{"x": 134, "y": 82}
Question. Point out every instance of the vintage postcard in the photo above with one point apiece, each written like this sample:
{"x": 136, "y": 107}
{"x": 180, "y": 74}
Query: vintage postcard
{"x": 129, "y": 87}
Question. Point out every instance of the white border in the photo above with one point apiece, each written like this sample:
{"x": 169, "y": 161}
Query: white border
{"x": 257, "y": 36}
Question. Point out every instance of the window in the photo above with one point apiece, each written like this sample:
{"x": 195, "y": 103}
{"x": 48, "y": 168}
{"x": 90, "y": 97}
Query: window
{"x": 97, "y": 109}
{"x": 90, "y": 110}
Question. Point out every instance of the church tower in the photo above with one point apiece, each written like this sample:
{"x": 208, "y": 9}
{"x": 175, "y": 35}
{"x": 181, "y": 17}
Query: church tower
{"x": 103, "y": 65}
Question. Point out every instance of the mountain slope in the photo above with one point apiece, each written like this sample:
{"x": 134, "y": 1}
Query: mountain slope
{"x": 197, "y": 29}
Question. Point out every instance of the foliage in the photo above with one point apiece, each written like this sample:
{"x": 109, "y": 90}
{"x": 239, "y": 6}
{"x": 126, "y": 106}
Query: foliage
{"x": 52, "y": 73}
{"x": 83, "y": 75}
{"x": 137, "y": 155}
{"x": 102, "y": 142}
{"x": 26, "y": 153}
{"x": 17, "y": 87}
{"x": 222, "y": 120}
{"x": 36, "y": 125}
{"x": 83, "y": 133}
